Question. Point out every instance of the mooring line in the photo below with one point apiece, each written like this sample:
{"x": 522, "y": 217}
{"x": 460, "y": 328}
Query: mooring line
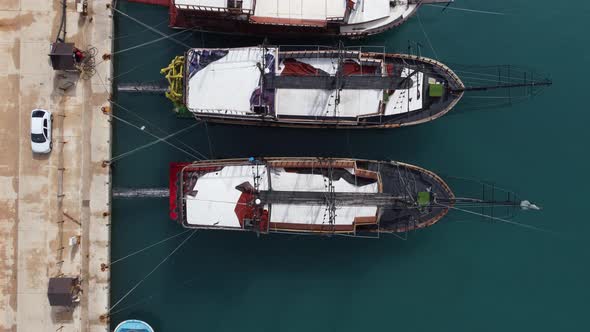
{"x": 153, "y": 135}
{"x": 147, "y": 132}
{"x": 147, "y": 145}
{"x": 153, "y": 270}
{"x": 149, "y": 27}
{"x": 148, "y": 42}
{"x": 148, "y": 247}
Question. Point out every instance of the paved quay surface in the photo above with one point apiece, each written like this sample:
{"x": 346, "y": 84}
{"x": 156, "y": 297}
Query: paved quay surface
{"x": 45, "y": 200}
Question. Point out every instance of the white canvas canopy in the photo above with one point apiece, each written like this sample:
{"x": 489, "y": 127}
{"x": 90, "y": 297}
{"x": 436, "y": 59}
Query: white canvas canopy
{"x": 369, "y": 10}
{"x": 216, "y": 196}
{"x": 301, "y": 9}
{"x": 246, "y": 4}
{"x": 227, "y": 84}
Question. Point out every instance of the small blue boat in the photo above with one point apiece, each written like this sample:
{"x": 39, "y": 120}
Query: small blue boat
{"x": 133, "y": 325}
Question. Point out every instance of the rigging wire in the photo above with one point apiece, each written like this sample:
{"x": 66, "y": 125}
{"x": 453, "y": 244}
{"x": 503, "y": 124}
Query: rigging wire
{"x": 468, "y": 10}
{"x": 153, "y": 270}
{"x": 500, "y": 219}
{"x": 209, "y": 140}
{"x": 426, "y": 35}
{"x": 149, "y": 247}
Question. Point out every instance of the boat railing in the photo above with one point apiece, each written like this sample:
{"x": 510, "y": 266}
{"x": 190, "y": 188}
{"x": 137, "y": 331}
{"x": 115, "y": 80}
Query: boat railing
{"x": 335, "y": 19}
{"x": 212, "y": 9}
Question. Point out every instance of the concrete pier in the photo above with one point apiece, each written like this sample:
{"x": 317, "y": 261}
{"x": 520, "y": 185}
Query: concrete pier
{"x": 47, "y": 199}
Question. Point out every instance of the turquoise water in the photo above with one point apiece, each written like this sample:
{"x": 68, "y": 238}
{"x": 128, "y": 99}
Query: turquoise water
{"x": 457, "y": 275}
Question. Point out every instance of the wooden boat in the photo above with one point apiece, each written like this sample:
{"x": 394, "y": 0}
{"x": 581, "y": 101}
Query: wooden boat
{"x": 307, "y": 195}
{"x": 345, "y": 18}
{"x": 317, "y": 88}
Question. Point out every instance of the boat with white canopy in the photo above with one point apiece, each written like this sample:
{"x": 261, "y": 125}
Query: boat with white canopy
{"x": 346, "y": 18}
{"x": 321, "y": 87}
{"x": 307, "y": 195}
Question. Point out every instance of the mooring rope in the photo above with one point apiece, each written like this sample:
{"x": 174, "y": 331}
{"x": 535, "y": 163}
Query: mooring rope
{"x": 153, "y": 270}
{"x": 148, "y": 61}
{"x": 153, "y": 135}
{"x": 148, "y": 42}
{"x": 158, "y": 128}
{"x": 149, "y": 27}
{"x": 147, "y": 132}
{"x": 147, "y": 145}
{"x": 148, "y": 247}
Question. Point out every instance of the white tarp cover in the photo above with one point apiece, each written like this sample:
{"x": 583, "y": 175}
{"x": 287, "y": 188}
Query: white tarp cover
{"x": 407, "y": 100}
{"x": 369, "y": 10}
{"x": 207, "y": 3}
{"x": 246, "y": 4}
{"x": 316, "y": 102}
{"x": 216, "y": 197}
{"x": 300, "y": 9}
{"x": 226, "y": 84}
{"x": 315, "y": 214}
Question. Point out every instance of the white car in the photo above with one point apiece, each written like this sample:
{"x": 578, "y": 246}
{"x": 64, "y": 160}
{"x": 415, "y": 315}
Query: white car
{"x": 41, "y": 131}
